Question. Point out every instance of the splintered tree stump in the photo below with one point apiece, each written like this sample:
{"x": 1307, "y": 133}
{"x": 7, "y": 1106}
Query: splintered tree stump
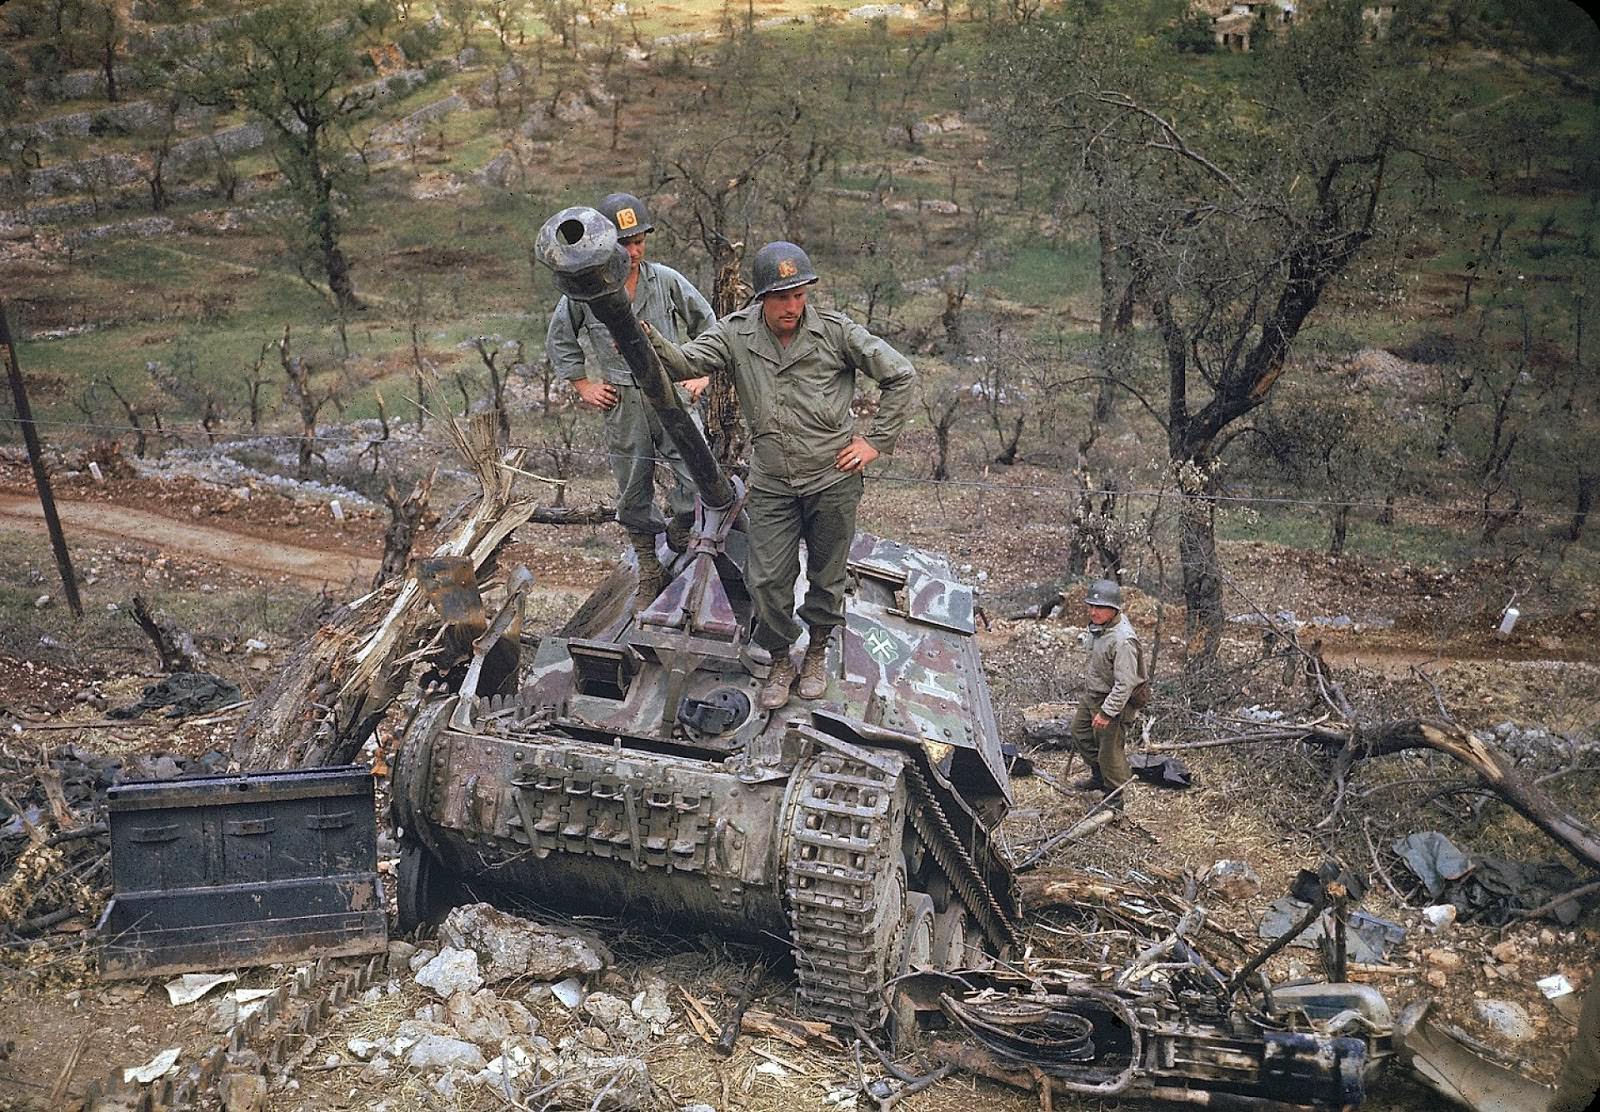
{"x": 174, "y": 646}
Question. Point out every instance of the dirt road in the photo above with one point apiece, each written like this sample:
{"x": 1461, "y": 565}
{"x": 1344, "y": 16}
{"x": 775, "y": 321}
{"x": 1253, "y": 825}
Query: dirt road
{"x": 170, "y": 536}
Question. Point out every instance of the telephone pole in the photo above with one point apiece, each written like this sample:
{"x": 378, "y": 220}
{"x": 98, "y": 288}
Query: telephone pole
{"x": 30, "y": 437}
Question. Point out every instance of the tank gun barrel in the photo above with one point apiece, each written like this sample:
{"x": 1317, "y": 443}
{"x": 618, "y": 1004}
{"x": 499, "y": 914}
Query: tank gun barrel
{"x": 580, "y": 247}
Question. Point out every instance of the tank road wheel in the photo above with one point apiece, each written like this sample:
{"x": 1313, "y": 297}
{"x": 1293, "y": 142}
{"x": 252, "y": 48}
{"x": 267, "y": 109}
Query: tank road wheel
{"x": 425, "y": 889}
{"x": 914, "y": 950}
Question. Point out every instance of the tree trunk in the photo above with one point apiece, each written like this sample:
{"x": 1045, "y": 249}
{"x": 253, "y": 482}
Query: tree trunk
{"x": 405, "y": 519}
{"x": 334, "y": 263}
{"x": 1202, "y": 585}
{"x": 724, "y": 426}
{"x": 1008, "y": 450}
{"x": 1338, "y": 528}
{"x": 1584, "y": 503}
{"x": 1116, "y": 318}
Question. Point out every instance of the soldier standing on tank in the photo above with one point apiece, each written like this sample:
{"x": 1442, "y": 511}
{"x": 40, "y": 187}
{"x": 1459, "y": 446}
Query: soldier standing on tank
{"x": 794, "y": 368}
{"x": 1113, "y": 677}
{"x": 669, "y": 303}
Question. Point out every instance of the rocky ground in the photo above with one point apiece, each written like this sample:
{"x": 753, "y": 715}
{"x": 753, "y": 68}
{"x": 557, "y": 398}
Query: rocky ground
{"x": 608, "y": 1013}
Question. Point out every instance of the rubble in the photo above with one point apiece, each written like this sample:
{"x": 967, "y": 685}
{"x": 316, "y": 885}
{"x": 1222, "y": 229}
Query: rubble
{"x": 1232, "y": 880}
{"x": 433, "y": 1051}
{"x": 508, "y": 947}
{"x": 451, "y": 971}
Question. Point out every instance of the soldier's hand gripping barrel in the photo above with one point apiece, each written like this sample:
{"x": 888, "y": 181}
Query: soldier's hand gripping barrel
{"x": 580, "y": 247}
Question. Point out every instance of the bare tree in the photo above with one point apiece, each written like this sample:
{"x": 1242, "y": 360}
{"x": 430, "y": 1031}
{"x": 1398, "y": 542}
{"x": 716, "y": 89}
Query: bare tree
{"x": 490, "y": 349}
{"x": 406, "y": 518}
{"x": 307, "y": 400}
{"x": 944, "y": 411}
{"x": 1235, "y": 224}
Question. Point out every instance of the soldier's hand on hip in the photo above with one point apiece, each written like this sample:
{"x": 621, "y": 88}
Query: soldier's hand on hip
{"x": 601, "y": 395}
{"x": 855, "y": 455}
{"x": 696, "y": 386}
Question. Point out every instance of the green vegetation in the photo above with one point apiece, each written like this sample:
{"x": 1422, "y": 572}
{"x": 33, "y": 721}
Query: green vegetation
{"x": 832, "y": 131}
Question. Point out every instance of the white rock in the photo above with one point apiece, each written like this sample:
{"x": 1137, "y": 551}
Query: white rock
{"x": 509, "y": 946}
{"x": 477, "y": 1017}
{"x": 1440, "y": 916}
{"x": 364, "y": 1049}
{"x": 452, "y": 971}
{"x": 444, "y": 1052}
{"x": 41, "y": 602}
{"x": 569, "y": 992}
{"x": 1506, "y": 1019}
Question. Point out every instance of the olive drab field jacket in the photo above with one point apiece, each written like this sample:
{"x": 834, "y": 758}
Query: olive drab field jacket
{"x": 663, "y": 299}
{"x": 796, "y": 399}
{"x": 1116, "y": 665}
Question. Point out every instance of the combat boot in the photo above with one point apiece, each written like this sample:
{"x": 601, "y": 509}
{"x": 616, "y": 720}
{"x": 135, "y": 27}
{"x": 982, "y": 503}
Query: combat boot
{"x": 1093, "y": 782}
{"x": 652, "y": 577}
{"x": 776, "y": 693}
{"x": 680, "y": 530}
{"x": 814, "y": 668}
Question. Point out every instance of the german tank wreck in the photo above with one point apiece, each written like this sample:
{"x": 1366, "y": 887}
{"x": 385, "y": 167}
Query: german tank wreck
{"x": 624, "y": 762}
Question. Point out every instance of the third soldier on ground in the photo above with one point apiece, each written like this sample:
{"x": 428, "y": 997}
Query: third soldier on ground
{"x": 1114, "y": 686}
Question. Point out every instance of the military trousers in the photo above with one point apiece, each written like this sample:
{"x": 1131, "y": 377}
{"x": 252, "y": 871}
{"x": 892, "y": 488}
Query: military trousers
{"x": 826, "y": 521}
{"x": 635, "y": 441}
{"x": 1579, "y": 1083}
{"x": 1101, "y": 746}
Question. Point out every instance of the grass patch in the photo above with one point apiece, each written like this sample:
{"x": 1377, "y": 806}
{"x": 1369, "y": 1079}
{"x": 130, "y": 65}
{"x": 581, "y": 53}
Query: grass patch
{"x": 1039, "y": 273}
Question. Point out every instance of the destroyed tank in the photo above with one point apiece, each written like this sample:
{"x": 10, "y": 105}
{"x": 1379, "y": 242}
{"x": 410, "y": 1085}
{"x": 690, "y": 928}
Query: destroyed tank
{"x": 627, "y": 766}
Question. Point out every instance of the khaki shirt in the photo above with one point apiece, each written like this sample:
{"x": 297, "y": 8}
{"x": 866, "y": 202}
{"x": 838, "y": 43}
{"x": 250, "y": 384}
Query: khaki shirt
{"x": 663, "y": 299}
{"x": 1115, "y": 667}
{"x": 796, "y": 400}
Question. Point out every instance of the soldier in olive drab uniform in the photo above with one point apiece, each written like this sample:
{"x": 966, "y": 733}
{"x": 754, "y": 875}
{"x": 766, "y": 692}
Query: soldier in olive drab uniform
{"x": 1114, "y": 670}
{"x": 794, "y": 368}
{"x": 670, "y": 304}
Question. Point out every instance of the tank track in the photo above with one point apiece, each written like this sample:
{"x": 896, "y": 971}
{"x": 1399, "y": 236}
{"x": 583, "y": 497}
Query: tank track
{"x": 932, "y": 825}
{"x": 846, "y": 818}
{"x": 844, "y": 835}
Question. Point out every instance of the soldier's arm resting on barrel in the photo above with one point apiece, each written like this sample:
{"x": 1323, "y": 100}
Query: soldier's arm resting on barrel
{"x": 704, "y": 355}
{"x": 894, "y": 375}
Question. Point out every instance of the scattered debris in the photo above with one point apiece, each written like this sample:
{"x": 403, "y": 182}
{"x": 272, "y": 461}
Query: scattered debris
{"x": 183, "y": 694}
{"x": 192, "y": 986}
{"x": 1489, "y": 889}
{"x": 1232, "y": 880}
{"x": 508, "y": 947}
{"x": 159, "y": 1066}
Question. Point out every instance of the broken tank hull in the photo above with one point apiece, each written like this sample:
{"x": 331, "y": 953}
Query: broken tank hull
{"x": 856, "y": 826}
{"x": 628, "y": 767}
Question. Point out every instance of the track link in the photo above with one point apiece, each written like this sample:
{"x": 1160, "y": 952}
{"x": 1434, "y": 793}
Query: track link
{"x": 845, "y": 882}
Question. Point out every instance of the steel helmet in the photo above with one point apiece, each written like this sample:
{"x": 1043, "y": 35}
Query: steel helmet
{"x": 781, "y": 266}
{"x": 628, "y": 213}
{"x": 1105, "y": 592}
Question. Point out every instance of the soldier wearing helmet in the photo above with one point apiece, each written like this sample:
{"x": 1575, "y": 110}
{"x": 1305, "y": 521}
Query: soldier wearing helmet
{"x": 794, "y": 367}
{"x": 635, "y": 440}
{"x": 1113, "y": 678}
